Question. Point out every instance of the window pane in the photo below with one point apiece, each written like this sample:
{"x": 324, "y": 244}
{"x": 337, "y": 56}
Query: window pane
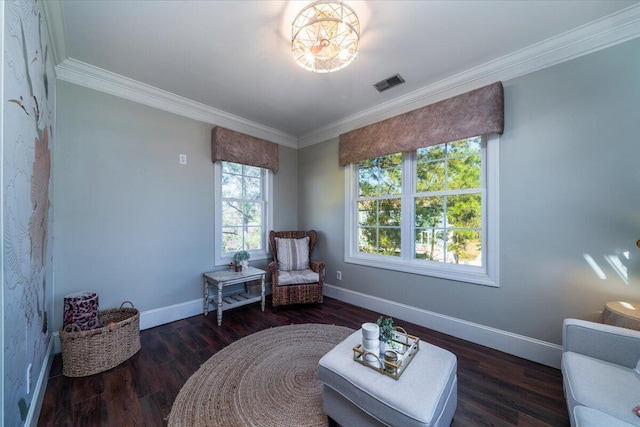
{"x": 231, "y": 214}
{"x": 465, "y": 146}
{"x": 231, "y": 186}
{"x": 389, "y": 213}
{"x": 252, "y": 213}
{"x": 422, "y": 244}
{"x": 389, "y": 241}
{"x": 228, "y": 167}
{"x": 251, "y": 171}
{"x": 429, "y": 211}
{"x": 367, "y": 212}
{"x": 252, "y": 188}
{"x": 367, "y": 240}
{"x": 380, "y": 176}
{"x": 465, "y": 172}
{"x": 430, "y": 176}
{"x": 231, "y": 239}
{"x": 252, "y": 238}
{"x": 430, "y": 244}
{"x": 425, "y": 244}
{"x": 464, "y": 210}
{"x": 241, "y": 213}
{"x": 390, "y": 160}
{"x": 369, "y": 163}
{"x": 465, "y": 247}
{"x": 241, "y": 207}
{"x": 391, "y": 181}
{"x": 367, "y": 182}
{"x": 435, "y": 152}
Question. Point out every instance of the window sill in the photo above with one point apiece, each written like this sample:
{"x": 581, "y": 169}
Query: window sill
{"x": 467, "y": 274}
{"x": 254, "y": 257}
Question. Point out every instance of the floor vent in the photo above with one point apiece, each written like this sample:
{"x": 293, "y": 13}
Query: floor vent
{"x": 389, "y": 82}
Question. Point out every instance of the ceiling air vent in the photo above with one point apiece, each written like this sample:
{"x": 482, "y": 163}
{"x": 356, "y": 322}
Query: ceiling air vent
{"x": 389, "y": 82}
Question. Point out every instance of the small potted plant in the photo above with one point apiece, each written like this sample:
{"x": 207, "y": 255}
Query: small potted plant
{"x": 386, "y": 332}
{"x": 241, "y": 259}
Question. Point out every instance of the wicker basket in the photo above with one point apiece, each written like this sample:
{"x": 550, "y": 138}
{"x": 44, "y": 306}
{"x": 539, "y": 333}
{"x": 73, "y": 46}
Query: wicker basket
{"x": 97, "y": 350}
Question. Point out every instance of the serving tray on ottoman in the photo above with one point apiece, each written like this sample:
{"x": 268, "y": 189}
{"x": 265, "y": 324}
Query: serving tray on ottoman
{"x": 404, "y": 345}
{"x": 353, "y": 394}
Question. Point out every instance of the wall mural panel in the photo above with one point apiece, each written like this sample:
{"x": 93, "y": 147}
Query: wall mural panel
{"x": 29, "y": 92}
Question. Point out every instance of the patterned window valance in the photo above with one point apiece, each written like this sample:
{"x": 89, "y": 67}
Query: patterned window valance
{"x": 478, "y": 112}
{"x": 236, "y": 147}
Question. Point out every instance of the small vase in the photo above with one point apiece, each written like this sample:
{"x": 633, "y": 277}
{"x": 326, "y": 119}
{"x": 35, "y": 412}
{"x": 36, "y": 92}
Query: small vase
{"x": 245, "y": 265}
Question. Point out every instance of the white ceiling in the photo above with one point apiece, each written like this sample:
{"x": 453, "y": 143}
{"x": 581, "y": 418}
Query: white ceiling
{"x": 234, "y": 58}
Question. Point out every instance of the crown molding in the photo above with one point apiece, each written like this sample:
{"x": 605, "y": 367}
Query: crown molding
{"x": 608, "y": 31}
{"x": 83, "y": 74}
{"x": 52, "y": 11}
{"x": 600, "y": 34}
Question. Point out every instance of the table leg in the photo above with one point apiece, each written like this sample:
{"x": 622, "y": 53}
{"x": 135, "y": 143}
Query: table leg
{"x": 219, "y": 309}
{"x": 262, "y": 291}
{"x": 206, "y": 296}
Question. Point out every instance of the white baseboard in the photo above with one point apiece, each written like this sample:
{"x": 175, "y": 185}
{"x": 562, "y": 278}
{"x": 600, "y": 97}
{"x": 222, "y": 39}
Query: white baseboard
{"x": 162, "y": 315}
{"x": 153, "y": 318}
{"x": 171, "y": 313}
{"x": 41, "y": 386}
{"x": 518, "y": 345}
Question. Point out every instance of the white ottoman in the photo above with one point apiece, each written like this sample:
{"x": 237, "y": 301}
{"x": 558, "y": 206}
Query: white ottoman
{"x": 425, "y": 395}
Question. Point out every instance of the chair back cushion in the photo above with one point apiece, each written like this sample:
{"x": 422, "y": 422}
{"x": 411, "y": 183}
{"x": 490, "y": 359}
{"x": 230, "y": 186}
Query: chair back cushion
{"x": 293, "y": 254}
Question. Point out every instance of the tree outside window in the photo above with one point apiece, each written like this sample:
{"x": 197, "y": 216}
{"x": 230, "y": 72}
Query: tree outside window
{"x": 446, "y": 202}
{"x": 242, "y": 207}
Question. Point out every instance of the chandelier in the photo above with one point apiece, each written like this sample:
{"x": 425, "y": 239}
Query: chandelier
{"x": 325, "y": 36}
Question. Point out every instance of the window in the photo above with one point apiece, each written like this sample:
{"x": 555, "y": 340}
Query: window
{"x": 243, "y": 211}
{"x": 432, "y": 211}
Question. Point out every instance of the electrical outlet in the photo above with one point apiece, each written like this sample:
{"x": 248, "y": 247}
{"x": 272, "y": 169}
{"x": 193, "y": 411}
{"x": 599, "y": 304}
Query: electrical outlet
{"x": 183, "y": 159}
{"x": 339, "y": 275}
{"x": 29, "y": 378}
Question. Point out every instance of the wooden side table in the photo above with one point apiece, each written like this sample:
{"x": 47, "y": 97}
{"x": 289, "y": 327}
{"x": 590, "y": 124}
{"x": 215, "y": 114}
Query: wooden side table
{"x": 624, "y": 314}
{"x": 223, "y": 278}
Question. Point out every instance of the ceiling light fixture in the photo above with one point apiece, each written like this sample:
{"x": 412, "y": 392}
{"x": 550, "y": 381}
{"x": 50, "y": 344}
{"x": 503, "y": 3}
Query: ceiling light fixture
{"x": 325, "y": 36}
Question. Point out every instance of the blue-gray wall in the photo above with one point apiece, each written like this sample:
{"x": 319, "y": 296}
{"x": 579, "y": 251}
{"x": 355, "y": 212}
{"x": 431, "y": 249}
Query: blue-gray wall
{"x": 569, "y": 188}
{"x": 132, "y": 223}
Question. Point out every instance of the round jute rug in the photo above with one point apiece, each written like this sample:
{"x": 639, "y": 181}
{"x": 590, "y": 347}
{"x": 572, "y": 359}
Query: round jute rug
{"x": 267, "y": 379}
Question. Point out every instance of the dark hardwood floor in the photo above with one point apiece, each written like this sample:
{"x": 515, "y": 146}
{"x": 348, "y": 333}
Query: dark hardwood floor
{"x": 494, "y": 388}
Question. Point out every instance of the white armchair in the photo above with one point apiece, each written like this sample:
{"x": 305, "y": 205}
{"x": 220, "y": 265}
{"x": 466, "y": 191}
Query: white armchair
{"x": 601, "y": 384}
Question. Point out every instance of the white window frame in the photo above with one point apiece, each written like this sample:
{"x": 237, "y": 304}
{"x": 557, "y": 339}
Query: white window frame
{"x": 487, "y": 275}
{"x": 267, "y": 217}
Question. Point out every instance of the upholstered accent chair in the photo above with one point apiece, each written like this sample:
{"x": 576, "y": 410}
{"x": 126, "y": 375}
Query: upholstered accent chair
{"x": 295, "y": 277}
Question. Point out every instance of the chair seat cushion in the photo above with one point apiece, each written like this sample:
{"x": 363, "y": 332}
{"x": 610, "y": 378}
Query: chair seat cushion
{"x": 589, "y": 417}
{"x": 603, "y": 386}
{"x": 296, "y": 277}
